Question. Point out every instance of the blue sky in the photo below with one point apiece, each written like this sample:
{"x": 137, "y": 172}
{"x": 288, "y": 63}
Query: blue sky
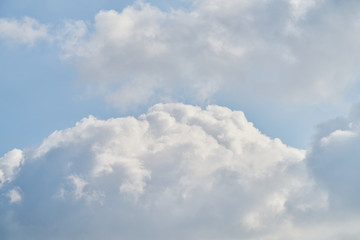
{"x": 104, "y": 95}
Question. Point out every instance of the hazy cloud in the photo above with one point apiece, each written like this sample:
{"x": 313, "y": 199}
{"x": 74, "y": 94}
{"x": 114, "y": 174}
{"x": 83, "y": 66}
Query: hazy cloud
{"x": 14, "y": 195}
{"x": 25, "y": 31}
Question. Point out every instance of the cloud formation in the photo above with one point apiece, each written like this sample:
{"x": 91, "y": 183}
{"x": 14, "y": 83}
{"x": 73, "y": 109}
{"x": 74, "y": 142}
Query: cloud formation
{"x": 24, "y": 31}
{"x": 176, "y": 172}
{"x": 9, "y": 164}
{"x": 333, "y": 158}
{"x": 144, "y": 54}
{"x": 179, "y": 171}
{"x": 333, "y": 161}
{"x": 211, "y": 49}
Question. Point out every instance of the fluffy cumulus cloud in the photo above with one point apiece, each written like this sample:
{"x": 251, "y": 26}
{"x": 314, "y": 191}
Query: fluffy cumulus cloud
{"x": 179, "y": 171}
{"x": 24, "y": 31}
{"x": 176, "y": 172}
{"x": 301, "y": 51}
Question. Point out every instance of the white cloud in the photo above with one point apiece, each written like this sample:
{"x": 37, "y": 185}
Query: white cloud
{"x": 180, "y": 172}
{"x": 338, "y": 135}
{"x": 25, "y": 31}
{"x": 143, "y": 55}
{"x": 178, "y": 169}
{"x": 9, "y": 165}
{"x": 14, "y": 195}
{"x": 305, "y": 54}
{"x": 78, "y": 190}
{"x": 301, "y": 7}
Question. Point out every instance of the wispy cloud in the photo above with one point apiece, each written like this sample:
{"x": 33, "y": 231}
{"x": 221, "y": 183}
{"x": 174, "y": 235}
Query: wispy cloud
{"x": 25, "y": 31}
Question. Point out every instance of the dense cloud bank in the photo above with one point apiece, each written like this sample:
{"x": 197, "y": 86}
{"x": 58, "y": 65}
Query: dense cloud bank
{"x": 176, "y": 172}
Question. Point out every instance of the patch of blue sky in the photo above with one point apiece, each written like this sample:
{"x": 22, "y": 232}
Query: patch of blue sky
{"x": 294, "y": 124}
{"x": 38, "y": 95}
{"x": 38, "y": 90}
{"x": 53, "y": 11}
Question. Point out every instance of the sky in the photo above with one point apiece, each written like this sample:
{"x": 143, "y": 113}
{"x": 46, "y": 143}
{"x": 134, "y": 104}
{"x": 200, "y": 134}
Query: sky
{"x": 186, "y": 119}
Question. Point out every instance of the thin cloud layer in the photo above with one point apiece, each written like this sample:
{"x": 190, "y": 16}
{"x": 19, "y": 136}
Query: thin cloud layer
{"x": 176, "y": 172}
{"x": 25, "y": 31}
{"x": 301, "y": 51}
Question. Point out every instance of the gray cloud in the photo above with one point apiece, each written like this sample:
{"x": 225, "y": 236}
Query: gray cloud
{"x": 333, "y": 161}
